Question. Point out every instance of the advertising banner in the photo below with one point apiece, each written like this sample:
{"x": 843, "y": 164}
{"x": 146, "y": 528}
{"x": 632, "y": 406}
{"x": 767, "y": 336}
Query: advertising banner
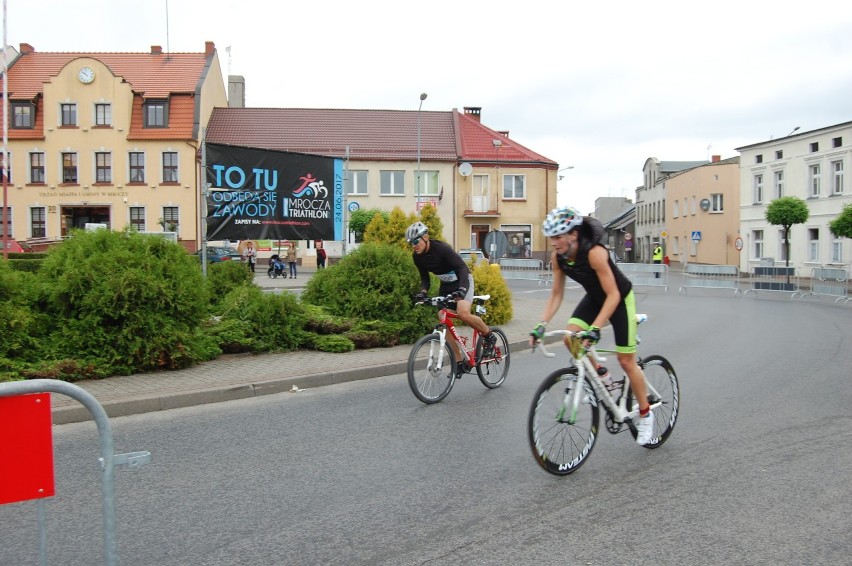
{"x": 258, "y": 194}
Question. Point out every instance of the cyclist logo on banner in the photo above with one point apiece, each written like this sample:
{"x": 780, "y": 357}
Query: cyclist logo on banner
{"x": 256, "y": 194}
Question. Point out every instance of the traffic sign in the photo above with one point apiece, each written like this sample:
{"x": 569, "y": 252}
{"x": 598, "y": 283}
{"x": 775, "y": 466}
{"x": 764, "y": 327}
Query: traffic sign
{"x": 664, "y": 234}
{"x": 696, "y": 236}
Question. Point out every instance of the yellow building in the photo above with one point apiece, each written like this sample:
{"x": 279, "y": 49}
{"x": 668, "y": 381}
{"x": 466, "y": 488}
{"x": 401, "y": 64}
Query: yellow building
{"x": 108, "y": 139}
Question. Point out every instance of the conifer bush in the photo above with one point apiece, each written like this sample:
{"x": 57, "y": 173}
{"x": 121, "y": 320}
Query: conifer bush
{"x": 123, "y": 301}
{"x": 374, "y": 282}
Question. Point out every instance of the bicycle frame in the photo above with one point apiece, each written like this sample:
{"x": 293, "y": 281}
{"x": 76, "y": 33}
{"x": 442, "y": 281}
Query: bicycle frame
{"x": 445, "y": 318}
{"x": 586, "y": 374}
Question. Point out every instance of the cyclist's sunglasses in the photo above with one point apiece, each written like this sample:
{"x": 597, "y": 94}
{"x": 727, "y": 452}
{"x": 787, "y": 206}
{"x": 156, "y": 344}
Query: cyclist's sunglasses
{"x": 415, "y": 241}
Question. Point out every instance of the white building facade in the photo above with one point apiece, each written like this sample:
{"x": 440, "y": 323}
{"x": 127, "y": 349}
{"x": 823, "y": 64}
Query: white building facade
{"x": 812, "y": 166}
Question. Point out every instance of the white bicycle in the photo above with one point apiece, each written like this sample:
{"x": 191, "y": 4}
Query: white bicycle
{"x": 565, "y": 412}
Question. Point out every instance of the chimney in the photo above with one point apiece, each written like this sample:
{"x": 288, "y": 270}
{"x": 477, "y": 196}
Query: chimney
{"x": 209, "y": 48}
{"x": 717, "y": 158}
{"x": 156, "y": 50}
{"x": 474, "y": 112}
{"x": 27, "y": 48}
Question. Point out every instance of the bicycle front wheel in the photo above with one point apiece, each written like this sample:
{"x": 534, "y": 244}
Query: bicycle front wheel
{"x": 562, "y": 442}
{"x": 492, "y": 370}
{"x": 428, "y": 382}
{"x": 663, "y": 387}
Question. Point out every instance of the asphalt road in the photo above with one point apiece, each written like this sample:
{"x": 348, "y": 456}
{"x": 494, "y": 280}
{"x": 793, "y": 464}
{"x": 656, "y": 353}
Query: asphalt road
{"x": 755, "y": 472}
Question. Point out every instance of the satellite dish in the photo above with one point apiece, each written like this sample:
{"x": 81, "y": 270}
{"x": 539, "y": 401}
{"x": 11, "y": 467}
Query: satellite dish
{"x": 465, "y": 169}
{"x": 495, "y": 246}
{"x": 705, "y": 204}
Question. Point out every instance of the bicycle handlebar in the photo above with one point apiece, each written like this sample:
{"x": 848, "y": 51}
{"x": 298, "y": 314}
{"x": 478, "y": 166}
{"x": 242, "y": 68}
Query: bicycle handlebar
{"x": 448, "y": 300}
{"x": 640, "y": 318}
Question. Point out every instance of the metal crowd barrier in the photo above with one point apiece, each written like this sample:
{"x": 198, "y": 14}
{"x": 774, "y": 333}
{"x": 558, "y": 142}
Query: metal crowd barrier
{"x": 108, "y": 460}
{"x": 774, "y": 279}
{"x": 531, "y": 269}
{"x": 711, "y": 277}
{"x": 647, "y": 274}
{"x": 831, "y": 282}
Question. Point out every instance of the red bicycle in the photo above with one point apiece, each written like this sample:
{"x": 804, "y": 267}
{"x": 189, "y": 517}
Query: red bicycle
{"x": 432, "y": 364}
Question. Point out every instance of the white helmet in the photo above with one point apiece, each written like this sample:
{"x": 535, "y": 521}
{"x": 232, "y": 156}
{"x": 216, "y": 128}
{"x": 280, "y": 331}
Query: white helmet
{"x": 415, "y": 231}
{"x": 561, "y": 220}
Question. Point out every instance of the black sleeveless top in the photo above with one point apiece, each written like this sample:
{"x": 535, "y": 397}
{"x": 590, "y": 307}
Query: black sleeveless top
{"x": 591, "y": 232}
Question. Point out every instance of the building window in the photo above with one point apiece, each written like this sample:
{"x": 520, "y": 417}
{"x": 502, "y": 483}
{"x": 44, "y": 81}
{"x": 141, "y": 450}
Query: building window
{"x": 782, "y": 247}
{"x": 4, "y": 223}
{"x": 813, "y": 244}
{"x": 3, "y": 171}
{"x": 779, "y": 154}
{"x": 758, "y": 189}
{"x": 356, "y": 183}
{"x": 103, "y": 115}
{"x": 513, "y": 187}
{"x": 103, "y": 167}
{"x": 837, "y": 177}
{"x": 69, "y": 168}
{"x": 676, "y": 246}
{"x": 37, "y": 167}
{"x": 757, "y": 243}
{"x": 813, "y": 180}
{"x": 675, "y": 209}
{"x": 758, "y": 158}
{"x": 37, "y": 222}
{"x": 392, "y": 183}
{"x": 837, "y": 142}
{"x": 23, "y": 115}
{"x": 137, "y": 167}
{"x": 717, "y": 202}
{"x": 170, "y": 167}
{"x": 814, "y": 147}
{"x": 171, "y": 218}
{"x": 428, "y": 183}
{"x": 68, "y": 114}
{"x": 156, "y": 114}
{"x": 837, "y": 250}
{"x": 520, "y": 237}
{"x": 779, "y": 184}
{"x": 137, "y": 218}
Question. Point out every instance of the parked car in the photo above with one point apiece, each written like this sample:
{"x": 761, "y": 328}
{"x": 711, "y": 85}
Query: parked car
{"x": 468, "y": 254}
{"x": 216, "y": 254}
{"x": 14, "y": 246}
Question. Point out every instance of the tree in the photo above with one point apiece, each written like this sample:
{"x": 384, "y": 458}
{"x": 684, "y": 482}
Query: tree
{"x": 360, "y": 219}
{"x": 842, "y": 225}
{"x": 785, "y": 212}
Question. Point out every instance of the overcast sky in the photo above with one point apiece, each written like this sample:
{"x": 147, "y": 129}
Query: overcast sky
{"x": 599, "y": 87}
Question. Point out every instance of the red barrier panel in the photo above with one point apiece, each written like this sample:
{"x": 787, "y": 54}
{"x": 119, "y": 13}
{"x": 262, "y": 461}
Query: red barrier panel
{"x": 26, "y": 448}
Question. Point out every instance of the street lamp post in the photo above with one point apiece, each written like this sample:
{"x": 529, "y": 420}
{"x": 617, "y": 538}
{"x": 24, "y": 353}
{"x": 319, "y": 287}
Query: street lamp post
{"x": 417, "y": 181}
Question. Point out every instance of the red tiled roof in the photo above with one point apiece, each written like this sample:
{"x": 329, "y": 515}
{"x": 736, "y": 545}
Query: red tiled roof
{"x": 155, "y": 75}
{"x": 151, "y": 75}
{"x": 477, "y": 144}
{"x": 369, "y": 134}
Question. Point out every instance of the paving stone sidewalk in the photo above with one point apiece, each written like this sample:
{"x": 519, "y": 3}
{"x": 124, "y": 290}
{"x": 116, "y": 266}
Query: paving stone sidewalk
{"x": 248, "y": 375}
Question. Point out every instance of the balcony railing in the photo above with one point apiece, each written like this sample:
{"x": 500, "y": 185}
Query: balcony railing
{"x": 482, "y": 204}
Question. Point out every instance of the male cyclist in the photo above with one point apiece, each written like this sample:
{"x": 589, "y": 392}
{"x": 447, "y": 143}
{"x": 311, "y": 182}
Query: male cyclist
{"x": 439, "y": 258}
{"x": 579, "y": 254}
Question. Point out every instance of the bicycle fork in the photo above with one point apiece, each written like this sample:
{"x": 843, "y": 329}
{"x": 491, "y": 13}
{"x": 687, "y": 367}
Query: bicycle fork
{"x": 436, "y": 359}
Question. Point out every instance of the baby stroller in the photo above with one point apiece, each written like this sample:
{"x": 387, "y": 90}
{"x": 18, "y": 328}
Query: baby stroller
{"x": 276, "y": 267}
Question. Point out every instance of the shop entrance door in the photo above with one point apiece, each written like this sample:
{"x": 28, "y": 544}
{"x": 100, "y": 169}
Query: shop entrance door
{"x": 78, "y": 216}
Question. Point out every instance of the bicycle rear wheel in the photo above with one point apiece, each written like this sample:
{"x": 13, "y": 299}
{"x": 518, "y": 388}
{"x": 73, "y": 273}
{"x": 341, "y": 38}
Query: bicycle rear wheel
{"x": 559, "y": 445}
{"x": 492, "y": 370}
{"x": 427, "y": 382}
{"x": 663, "y": 387}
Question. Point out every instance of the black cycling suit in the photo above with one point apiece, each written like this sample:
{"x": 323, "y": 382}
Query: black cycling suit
{"x": 623, "y": 319}
{"x": 440, "y": 259}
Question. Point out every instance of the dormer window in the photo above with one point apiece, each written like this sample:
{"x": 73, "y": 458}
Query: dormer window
{"x": 23, "y": 115}
{"x": 156, "y": 113}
